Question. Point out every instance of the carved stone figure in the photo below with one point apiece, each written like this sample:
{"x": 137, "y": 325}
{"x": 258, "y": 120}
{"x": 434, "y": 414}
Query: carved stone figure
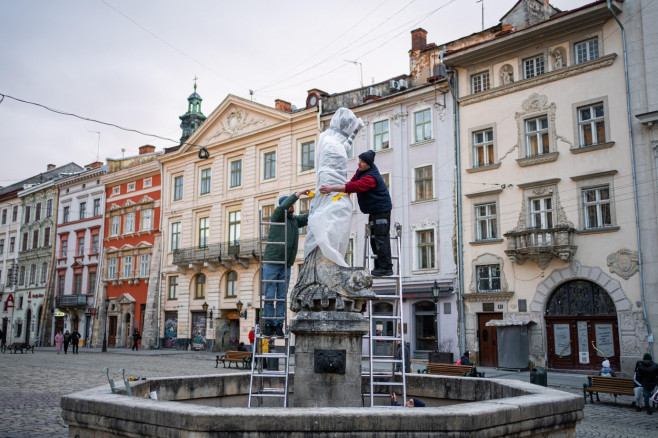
{"x": 506, "y": 74}
{"x": 558, "y": 58}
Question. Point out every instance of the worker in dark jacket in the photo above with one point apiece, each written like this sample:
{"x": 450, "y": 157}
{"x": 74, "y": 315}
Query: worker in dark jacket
{"x": 647, "y": 375}
{"x": 374, "y": 200}
{"x": 285, "y": 254}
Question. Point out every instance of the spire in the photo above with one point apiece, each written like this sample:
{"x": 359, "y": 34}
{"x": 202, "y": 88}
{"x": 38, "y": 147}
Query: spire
{"x": 193, "y": 117}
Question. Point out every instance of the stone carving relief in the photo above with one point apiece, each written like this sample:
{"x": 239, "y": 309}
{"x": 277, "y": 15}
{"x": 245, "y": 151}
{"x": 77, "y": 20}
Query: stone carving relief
{"x": 634, "y": 334}
{"x": 488, "y": 259}
{"x": 534, "y": 106}
{"x": 624, "y": 263}
{"x": 424, "y": 225}
{"x": 559, "y": 58}
{"x": 506, "y": 74}
{"x": 236, "y": 121}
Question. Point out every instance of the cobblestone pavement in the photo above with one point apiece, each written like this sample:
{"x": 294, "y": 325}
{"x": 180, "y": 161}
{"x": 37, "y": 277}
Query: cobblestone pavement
{"x": 32, "y": 384}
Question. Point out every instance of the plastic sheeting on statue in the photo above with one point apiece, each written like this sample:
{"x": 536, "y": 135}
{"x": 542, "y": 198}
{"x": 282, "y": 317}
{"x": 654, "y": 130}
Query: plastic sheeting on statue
{"x": 330, "y": 215}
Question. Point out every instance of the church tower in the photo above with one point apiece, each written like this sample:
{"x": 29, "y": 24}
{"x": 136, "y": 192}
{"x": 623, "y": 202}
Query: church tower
{"x": 193, "y": 117}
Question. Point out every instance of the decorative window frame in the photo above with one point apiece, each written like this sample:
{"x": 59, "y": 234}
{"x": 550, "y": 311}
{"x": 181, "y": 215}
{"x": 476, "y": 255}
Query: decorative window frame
{"x": 433, "y": 183}
{"x": 594, "y": 180}
{"x": 471, "y": 133}
{"x": 425, "y": 225}
{"x": 536, "y": 105}
{"x": 485, "y": 260}
{"x": 577, "y": 148}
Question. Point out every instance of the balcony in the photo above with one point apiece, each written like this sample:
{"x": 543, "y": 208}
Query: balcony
{"x": 541, "y": 245}
{"x": 71, "y": 301}
{"x": 216, "y": 254}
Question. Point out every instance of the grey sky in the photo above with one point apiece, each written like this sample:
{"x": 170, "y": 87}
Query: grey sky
{"x": 132, "y": 62}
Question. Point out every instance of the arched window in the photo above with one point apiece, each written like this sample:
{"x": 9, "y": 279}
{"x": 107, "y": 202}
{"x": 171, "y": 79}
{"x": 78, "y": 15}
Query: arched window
{"x": 580, "y": 297}
{"x": 232, "y": 284}
{"x": 200, "y": 286}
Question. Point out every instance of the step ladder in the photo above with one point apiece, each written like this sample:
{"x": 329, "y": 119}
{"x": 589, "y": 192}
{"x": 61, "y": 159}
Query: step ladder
{"x": 265, "y": 383}
{"x": 385, "y": 373}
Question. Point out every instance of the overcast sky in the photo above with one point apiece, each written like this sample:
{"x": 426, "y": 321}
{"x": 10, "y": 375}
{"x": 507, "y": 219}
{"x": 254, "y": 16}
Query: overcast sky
{"x": 132, "y": 63}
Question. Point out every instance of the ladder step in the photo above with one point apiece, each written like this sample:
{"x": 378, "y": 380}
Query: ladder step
{"x": 269, "y": 373}
{"x": 259, "y": 394}
{"x": 271, "y": 355}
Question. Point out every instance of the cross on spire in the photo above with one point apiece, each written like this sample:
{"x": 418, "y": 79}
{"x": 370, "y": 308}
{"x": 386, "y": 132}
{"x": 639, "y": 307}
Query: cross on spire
{"x": 195, "y": 79}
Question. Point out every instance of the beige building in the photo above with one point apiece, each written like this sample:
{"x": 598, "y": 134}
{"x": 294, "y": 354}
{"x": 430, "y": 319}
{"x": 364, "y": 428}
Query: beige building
{"x": 211, "y": 215}
{"x": 549, "y": 230}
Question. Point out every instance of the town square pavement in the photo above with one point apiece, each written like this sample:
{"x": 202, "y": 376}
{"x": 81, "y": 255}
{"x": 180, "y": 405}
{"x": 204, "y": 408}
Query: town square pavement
{"x": 31, "y": 386}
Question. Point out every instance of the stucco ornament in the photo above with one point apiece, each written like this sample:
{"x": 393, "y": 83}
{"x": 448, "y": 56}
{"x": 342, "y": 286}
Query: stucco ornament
{"x": 235, "y": 122}
{"x": 624, "y": 263}
{"x": 506, "y": 74}
{"x": 558, "y": 58}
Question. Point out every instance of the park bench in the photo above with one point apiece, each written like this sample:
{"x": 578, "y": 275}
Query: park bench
{"x": 445, "y": 369}
{"x": 236, "y": 357}
{"x": 609, "y": 385}
{"x": 18, "y": 346}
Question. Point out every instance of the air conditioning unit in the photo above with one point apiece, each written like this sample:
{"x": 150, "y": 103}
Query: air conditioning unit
{"x": 404, "y": 84}
{"x": 372, "y": 91}
{"x": 394, "y": 85}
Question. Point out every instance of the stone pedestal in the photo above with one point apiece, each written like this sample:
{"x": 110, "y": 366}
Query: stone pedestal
{"x": 328, "y": 350}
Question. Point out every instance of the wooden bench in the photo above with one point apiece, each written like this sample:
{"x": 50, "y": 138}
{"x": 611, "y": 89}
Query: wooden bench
{"x": 236, "y": 357}
{"x": 609, "y": 385}
{"x": 445, "y": 369}
{"x": 18, "y": 346}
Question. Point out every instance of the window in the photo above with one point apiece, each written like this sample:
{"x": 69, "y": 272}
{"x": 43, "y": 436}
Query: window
{"x": 94, "y": 243}
{"x": 127, "y": 266}
{"x": 349, "y": 254}
{"x": 147, "y": 219}
{"x": 116, "y": 190}
{"x": 200, "y": 286}
{"x": 380, "y": 139}
{"x": 387, "y": 180}
{"x": 488, "y": 278}
{"x": 14, "y": 213}
{"x": 307, "y": 156}
{"x": 12, "y": 244}
{"x": 24, "y": 243}
{"x": 541, "y": 213}
{"x": 64, "y": 248}
{"x": 27, "y": 214}
{"x": 129, "y": 223}
{"x": 423, "y": 183}
{"x": 130, "y": 187}
{"x": 265, "y": 214}
{"x": 269, "y": 165}
{"x": 533, "y": 67}
{"x": 423, "y": 125}
{"x": 4, "y": 216}
{"x": 112, "y": 268}
{"x": 204, "y": 231}
{"x": 483, "y": 148}
{"x": 591, "y": 124}
{"x": 114, "y": 225}
{"x": 234, "y": 219}
{"x": 81, "y": 246}
{"x": 46, "y": 236}
{"x": 97, "y": 207}
{"x": 2, "y": 246}
{"x": 536, "y": 136}
{"x": 304, "y": 208}
{"x": 91, "y": 283}
{"x": 77, "y": 284}
{"x": 205, "y": 182}
{"x": 49, "y": 208}
{"x": 173, "y": 287}
{"x": 37, "y": 212}
{"x": 65, "y": 216}
{"x": 148, "y": 182}
{"x": 35, "y": 239}
{"x": 144, "y": 265}
{"x": 60, "y": 285}
{"x": 587, "y": 51}
{"x": 485, "y": 218}
{"x": 480, "y": 82}
{"x": 596, "y": 207}
{"x": 175, "y": 237}
{"x": 21, "y": 276}
{"x": 447, "y": 308}
{"x": 83, "y": 210}
{"x": 232, "y": 284}
{"x": 178, "y": 188}
{"x": 33, "y": 273}
{"x": 425, "y": 248}
{"x": 236, "y": 173}
{"x": 44, "y": 272}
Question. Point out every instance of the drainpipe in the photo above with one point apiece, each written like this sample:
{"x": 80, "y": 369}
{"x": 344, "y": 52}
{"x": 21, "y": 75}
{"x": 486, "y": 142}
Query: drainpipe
{"x": 453, "y": 82}
{"x": 635, "y": 198}
{"x": 320, "y": 116}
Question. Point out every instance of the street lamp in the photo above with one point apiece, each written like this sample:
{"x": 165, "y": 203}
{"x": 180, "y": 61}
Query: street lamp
{"x": 239, "y": 306}
{"x": 435, "y": 294}
{"x": 107, "y": 305}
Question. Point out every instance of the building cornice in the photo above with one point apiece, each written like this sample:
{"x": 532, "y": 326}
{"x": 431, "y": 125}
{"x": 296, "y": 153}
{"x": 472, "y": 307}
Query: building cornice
{"x": 140, "y": 171}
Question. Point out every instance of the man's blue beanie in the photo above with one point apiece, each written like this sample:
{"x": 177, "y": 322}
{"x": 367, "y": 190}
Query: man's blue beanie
{"x": 281, "y": 199}
{"x": 418, "y": 403}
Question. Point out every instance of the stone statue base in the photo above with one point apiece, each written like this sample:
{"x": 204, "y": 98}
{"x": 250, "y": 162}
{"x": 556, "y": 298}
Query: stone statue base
{"x": 328, "y": 351}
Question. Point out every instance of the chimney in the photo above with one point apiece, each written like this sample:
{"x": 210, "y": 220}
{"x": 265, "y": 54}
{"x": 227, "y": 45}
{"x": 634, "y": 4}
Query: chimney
{"x": 50, "y": 167}
{"x": 94, "y": 165}
{"x": 282, "y": 105}
{"x": 146, "y": 149}
{"x": 418, "y": 39}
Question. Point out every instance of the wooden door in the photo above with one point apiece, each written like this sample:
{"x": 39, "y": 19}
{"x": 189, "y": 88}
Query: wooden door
{"x": 112, "y": 332}
{"x": 487, "y": 340}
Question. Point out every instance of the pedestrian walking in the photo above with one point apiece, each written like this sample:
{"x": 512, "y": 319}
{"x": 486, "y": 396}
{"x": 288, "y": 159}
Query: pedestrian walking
{"x": 59, "y": 340}
{"x": 75, "y": 339}
{"x": 67, "y": 341}
{"x": 136, "y": 338}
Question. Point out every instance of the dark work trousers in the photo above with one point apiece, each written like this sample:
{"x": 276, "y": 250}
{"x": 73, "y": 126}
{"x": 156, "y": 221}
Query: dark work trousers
{"x": 380, "y": 242}
{"x": 74, "y": 347}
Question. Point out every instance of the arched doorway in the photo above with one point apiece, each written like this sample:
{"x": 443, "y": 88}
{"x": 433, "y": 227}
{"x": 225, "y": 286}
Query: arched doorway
{"x": 581, "y": 327}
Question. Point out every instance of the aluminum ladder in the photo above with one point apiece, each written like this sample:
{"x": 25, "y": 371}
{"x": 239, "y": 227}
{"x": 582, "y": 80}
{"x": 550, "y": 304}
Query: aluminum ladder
{"x": 265, "y": 383}
{"x": 383, "y": 381}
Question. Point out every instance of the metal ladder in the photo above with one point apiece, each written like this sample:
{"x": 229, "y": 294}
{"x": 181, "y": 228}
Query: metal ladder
{"x": 265, "y": 383}
{"x": 383, "y": 377}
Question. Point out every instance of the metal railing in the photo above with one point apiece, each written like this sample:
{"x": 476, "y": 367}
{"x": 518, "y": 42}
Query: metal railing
{"x": 70, "y": 300}
{"x": 215, "y": 251}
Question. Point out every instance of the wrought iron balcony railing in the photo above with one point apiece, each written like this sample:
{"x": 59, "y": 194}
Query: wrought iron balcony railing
{"x": 71, "y": 301}
{"x": 541, "y": 245}
{"x": 217, "y": 252}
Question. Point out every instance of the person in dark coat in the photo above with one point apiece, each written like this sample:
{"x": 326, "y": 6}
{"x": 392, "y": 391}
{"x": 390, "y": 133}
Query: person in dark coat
{"x": 647, "y": 375}
{"x": 407, "y": 357}
{"x": 466, "y": 359}
{"x": 374, "y": 200}
{"x": 75, "y": 339}
{"x": 136, "y": 338}
{"x": 67, "y": 341}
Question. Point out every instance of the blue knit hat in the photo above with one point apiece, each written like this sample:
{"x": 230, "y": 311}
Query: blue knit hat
{"x": 368, "y": 157}
{"x": 418, "y": 403}
{"x": 281, "y": 199}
